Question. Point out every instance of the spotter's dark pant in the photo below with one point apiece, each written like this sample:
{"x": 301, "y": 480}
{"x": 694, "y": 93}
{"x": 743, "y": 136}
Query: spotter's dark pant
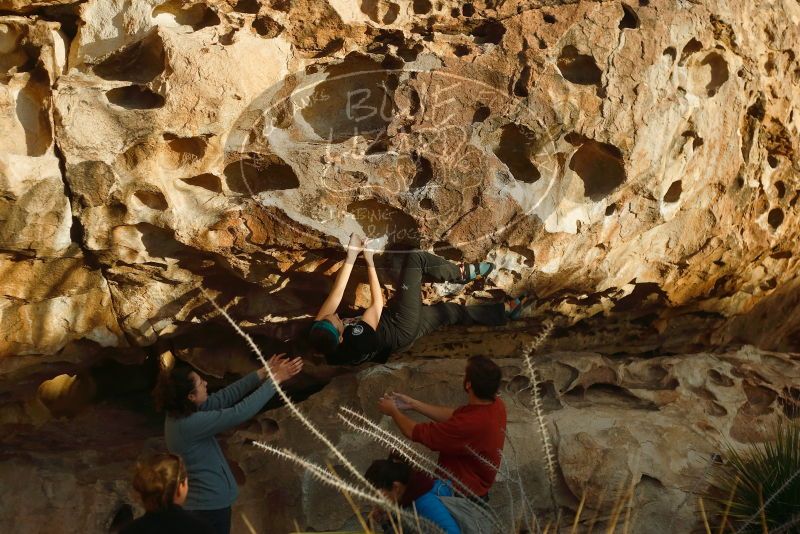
{"x": 407, "y": 319}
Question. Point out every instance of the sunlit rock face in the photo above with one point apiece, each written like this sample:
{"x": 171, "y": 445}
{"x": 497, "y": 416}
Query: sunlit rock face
{"x": 633, "y": 163}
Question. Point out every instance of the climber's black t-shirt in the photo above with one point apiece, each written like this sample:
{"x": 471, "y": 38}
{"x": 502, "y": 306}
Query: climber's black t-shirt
{"x": 360, "y": 343}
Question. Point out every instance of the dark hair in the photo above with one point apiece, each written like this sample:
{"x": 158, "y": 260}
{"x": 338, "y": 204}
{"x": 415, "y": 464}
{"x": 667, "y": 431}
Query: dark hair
{"x": 322, "y": 339}
{"x": 484, "y": 375}
{"x": 156, "y": 480}
{"x": 384, "y": 473}
{"x": 172, "y": 392}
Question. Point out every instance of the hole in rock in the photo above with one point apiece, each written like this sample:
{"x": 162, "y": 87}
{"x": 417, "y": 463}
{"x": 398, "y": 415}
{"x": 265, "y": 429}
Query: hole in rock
{"x": 771, "y": 283}
{"x": 670, "y": 51}
{"x": 392, "y": 63}
{"x": 756, "y": 110}
{"x": 248, "y": 6}
{"x": 481, "y": 114}
{"x": 66, "y": 395}
{"x": 266, "y": 26}
{"x": 135, "y": 97}
{"x": 333, "y": 46}
{"x": 140, "y": 62}
{"x": 253, "y": 176}
{"x": 521, "y": 87}
{"x": 719, "y": 379}
{"x": 697, "y": 141}
{"x": 715, "y": 409}
{"x": 423, "y": 173}
{"x": 759, "y": 399}
{"x": 183, "y": 150}
{"x": 378, "y": 219}
{"x": 380, "y": 11}
{"x": 772, "y": 161}
{"x": 644, "y": 3}
{"x": 461, "y": 50}
{"x": 514, "y": 149}
{"x": 455, "y": 12}
{"x": 207, "y": 181}
{"x": 176, "y": 13}
{"x": 578, "y": 68}
{"x": 607, "y": 395}
{"x": 489, "y": 31}
{"x": 152, "y": 199}
{"x": 378, "y": 146}
{"x": 391, "y": 37}
{"x": 673, "y": 194}
{"x": 414, "y": 105}
{"x": 422, "y": 6}
{"x": 542, "y": 44}
{"x": 630, "y": 20}
{"x": 353, "y": 100}
{"x": 781, "y": 255}
{"x": 600, "y": 166}
{"x": 549, "y": 19}
{"x": 780, "y": 188}
{"x": 32, "y": 114}
{"x": 409, "y": 54}
{"x": 713, "y": 70}
{"x": 690, "y": 48}
{"x": 468, "y": 9}
{"x": 427, "y": 204}
{"x": 775, "y": 218}
{"x": 16, "y": 53}
{"x": 610, "y": 209}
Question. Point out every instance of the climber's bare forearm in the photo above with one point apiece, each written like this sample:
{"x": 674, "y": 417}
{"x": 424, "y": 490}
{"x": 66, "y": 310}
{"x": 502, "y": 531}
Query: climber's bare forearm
{"x": 331, "y": 303}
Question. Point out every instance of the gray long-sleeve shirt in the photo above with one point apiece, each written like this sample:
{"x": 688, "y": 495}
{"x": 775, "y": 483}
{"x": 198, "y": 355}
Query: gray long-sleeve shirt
{"x": 211, "y": 483}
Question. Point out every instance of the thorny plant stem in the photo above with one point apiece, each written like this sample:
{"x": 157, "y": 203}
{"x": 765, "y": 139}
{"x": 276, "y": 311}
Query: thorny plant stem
{"x": 415, "y": 458}
{"x": 296, "y": 411}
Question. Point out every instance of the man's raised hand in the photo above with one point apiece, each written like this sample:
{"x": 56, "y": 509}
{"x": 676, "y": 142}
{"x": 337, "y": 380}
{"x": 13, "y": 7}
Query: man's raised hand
{"x": 403, "y": 402}
{"x": 387, "y": 405}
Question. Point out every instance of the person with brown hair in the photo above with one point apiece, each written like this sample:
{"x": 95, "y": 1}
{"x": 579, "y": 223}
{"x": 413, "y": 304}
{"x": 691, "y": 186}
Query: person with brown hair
{"x": 194, "y": 418}
{"x": 470, "y": 438}
{"x": 409, "y": 488}
{"x": 381, "y": 331}
{"x": 162, "y": 484}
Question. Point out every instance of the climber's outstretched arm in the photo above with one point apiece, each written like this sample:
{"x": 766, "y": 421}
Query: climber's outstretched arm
{"x": 331, "y": 303}
{"x": 372, "y": 315}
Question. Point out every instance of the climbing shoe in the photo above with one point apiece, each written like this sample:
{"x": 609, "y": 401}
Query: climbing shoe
{"x": 474, "y": 270}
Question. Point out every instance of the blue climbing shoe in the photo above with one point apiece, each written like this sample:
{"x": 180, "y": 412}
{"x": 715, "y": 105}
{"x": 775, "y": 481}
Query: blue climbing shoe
{"x": 474, "y": 270}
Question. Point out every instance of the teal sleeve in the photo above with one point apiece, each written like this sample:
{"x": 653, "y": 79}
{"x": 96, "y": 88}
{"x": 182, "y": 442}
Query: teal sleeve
{"x": 210, "y": 422}
{"x": 230, "y": 395}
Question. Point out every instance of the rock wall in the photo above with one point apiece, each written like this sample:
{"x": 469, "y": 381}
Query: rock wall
{"x": 633, "y": 163}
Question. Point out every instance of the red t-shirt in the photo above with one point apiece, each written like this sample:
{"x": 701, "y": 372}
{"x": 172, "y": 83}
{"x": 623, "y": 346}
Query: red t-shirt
{"x": 474, "y": 428}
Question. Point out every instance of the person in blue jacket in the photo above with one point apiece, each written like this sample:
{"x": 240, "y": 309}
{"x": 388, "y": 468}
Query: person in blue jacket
{"x": 413, "y": 490}
{"x": 194, "y": 418}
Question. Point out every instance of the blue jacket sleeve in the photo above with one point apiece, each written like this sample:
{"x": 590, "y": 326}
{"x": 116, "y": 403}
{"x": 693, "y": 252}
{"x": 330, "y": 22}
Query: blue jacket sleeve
{"x": 230, "y": 395}
{"x": 209, "y": 422}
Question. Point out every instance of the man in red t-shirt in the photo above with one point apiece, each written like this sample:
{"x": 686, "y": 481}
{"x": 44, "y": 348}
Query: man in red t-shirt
{"x": 460, "y": 434}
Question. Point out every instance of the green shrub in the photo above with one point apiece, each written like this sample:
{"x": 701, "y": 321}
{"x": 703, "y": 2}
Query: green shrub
{"x": 758, "y": 490}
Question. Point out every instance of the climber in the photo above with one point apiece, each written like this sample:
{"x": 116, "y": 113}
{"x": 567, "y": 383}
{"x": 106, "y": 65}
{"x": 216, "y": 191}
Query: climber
{"x": 193, "y": 419}
{"x": 406, "y": 486}
{"x": 379, "y": 332}
{"x": 469, "y": 439}
{"x": 162, "y": 484}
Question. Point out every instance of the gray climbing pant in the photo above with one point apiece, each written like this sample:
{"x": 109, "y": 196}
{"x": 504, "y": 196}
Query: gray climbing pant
{"x": 407, "y": 319}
